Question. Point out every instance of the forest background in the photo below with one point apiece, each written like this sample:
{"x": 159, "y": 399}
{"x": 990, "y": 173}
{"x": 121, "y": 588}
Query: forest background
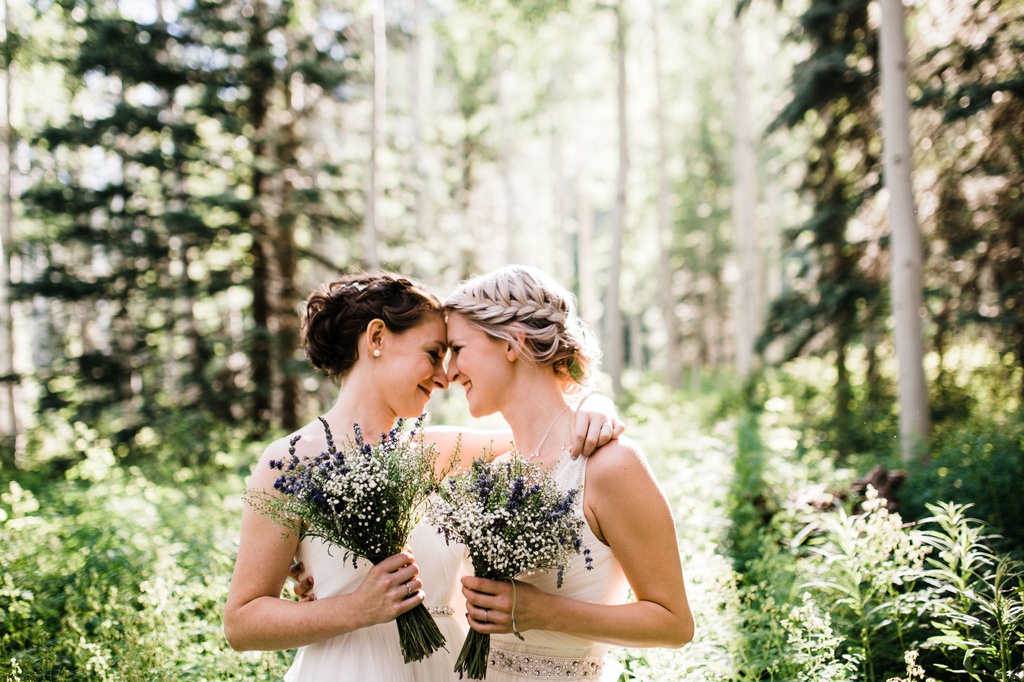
{"x": 710, "y": 179}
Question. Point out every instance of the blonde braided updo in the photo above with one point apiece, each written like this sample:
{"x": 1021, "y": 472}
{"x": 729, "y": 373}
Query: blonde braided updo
{"x": 524, "y": 307}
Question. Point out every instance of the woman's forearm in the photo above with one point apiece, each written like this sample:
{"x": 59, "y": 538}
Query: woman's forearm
{"x": 638, "y": 624}
{"x": 271, "y": 623}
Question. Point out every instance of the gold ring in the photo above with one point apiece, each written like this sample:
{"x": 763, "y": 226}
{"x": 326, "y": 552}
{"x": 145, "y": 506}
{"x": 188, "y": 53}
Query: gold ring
{"x": 486, "y": 619}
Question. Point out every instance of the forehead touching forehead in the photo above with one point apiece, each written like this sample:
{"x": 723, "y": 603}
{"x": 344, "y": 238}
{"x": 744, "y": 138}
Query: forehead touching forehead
{"x": 459, "y": 328}
{"x": 431, "y": 330}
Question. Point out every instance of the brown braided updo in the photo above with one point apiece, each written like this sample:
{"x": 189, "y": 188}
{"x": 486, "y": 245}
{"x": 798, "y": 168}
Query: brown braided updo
{"x": 338, "y": 313}
{"x": 520, "y": 302}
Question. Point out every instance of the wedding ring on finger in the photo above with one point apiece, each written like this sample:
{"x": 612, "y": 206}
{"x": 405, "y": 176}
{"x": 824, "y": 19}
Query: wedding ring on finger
{"x": 486, "y": 619}
{"x": 408, "y": 590}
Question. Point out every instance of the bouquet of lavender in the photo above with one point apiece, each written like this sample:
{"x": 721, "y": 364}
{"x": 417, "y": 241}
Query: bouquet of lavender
{"x": 365, "y": 498}
{"x": 512, "y": 517}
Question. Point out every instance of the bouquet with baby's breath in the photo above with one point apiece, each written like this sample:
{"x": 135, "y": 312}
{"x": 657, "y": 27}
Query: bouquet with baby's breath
{"x": 365, "y": 498}
{"x": 513, "y": 517}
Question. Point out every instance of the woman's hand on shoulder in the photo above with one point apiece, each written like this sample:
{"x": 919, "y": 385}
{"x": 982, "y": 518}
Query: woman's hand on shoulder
{"x": 594, "y": 424}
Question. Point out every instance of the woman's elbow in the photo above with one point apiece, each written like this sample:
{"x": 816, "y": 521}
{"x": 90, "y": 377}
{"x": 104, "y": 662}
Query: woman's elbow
{"x": 682, "y": 633}
{"x": 233, "y": 633}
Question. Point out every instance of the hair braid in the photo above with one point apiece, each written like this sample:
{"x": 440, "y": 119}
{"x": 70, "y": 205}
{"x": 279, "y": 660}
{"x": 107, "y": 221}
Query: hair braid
{"x": 519, "y": 302}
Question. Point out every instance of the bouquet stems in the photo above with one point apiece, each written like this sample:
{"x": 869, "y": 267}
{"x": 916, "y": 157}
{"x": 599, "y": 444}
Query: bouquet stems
{"x": 473, "y": 658}
{"x": 418, "y": 635}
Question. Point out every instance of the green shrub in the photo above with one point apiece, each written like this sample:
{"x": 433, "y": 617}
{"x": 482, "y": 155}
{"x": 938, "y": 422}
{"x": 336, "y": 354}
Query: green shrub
{"x": 979, "y": 462}
{"x": 108, "y": 576}
{"x": 977, "y": 603}
{"x": 866, "y": 567}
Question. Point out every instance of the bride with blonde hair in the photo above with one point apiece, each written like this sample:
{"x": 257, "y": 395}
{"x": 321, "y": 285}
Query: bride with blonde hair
{"x": 517, "y": 347}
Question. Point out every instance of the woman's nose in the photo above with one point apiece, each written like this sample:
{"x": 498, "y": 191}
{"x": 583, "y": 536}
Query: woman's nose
{"x": 441, "y": 377}
{"x": 452, "y": 372}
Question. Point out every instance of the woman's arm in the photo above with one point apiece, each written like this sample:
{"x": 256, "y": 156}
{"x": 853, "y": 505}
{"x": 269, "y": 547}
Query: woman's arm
{"x": 467, "y": 444}
{"x": 626, "y": 507}
{"x": 255, "y": 617}
{"x": 594, "y": 424}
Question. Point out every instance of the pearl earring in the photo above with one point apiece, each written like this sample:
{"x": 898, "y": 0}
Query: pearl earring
{"x": 376, "y": 352}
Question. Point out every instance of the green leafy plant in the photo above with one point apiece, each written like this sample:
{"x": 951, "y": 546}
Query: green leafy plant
{"x": 979, "y": 604}
{"x": 866, "y": 568}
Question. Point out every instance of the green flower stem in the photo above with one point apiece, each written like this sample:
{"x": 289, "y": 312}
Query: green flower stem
{"x": 473, "y": 657}
{"x": 418, "y": 634}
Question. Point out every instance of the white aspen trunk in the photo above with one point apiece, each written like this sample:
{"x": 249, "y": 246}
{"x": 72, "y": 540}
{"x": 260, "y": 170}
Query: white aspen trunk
{"x": 504, "y": 153}
{"x": 371, "y": 223}
{"x": 744, "y": 209}
{"x": 563, "y": 256}
{"x": 416, "y": 119}
{"x": 612, "y": 316}
{"x": 666, "y": 239}
{"x": 8, "y": 414}
{"x": 588, "y": 286}
{"x": 636, "y": 342}
{"x": 907, "y": 252}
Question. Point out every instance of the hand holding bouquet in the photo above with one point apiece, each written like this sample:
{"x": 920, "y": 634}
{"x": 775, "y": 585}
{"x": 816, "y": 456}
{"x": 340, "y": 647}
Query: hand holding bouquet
{"x": 365, "y": 498}
{"x": 513, "y": 517}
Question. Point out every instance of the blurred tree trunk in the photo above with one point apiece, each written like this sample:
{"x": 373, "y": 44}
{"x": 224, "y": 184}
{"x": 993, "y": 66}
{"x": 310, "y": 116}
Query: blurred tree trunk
{"x": 418, "y": 179}
{"x": 637, "y": 349}
{"x": 8, "y": 414}
{"x": 612, "y": 315}
{"x": 907, "y": 252}
{"x": 563, "y": 256}
{"x": 378, "y": 80}
{"x": 589, "y": 305}
{"x": 505, "y": 151}
{"x": 666, "y": 236}
{"x": 744, "y": 208}
{"x": 260, "y": 83}
{"x": 288, "y": 325}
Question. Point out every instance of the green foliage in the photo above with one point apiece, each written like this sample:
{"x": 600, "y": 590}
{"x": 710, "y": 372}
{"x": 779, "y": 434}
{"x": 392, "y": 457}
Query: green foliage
{"x": 117, "y": 569}
{"x": 814, "y": 646}
{"x": 806, "y": 388}
{"x": 974, "y": 81}
{"x": 980, "y": 462}
{"x": 865, "y": 568}
{"x": 108, "y": 576}
{"x": 147, "y": 208}
{"x": 978, "y": 607}
{"x": 943, "y": 590}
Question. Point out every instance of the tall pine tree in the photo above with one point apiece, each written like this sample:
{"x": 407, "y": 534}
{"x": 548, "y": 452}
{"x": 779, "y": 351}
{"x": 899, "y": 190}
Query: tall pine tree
{"x": 168, "y": 203}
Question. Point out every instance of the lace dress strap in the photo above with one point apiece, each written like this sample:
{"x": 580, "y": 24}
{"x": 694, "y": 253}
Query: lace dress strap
{"x": 571, "y": 474}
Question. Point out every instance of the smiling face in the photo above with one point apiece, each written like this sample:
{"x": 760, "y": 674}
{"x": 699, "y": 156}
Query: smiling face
{"x": 412, "y": 366}
{"x": 480, "y": 363}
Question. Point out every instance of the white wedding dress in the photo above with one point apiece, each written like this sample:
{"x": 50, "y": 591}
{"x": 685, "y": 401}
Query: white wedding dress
{"x": 546, "y": 655}
{"x": 373, "y": 654}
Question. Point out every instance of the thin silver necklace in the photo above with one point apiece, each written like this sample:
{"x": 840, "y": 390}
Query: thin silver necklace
{"x": 543, "y": 438}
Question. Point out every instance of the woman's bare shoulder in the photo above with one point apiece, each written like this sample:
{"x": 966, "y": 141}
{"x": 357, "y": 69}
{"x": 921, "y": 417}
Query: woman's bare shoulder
{"x": 619, "y": 462}
{"x": 615, "y": 454}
